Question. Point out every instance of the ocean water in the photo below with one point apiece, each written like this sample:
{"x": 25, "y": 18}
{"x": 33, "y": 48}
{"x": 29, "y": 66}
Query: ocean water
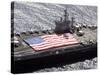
{"x": 30, "y": 16}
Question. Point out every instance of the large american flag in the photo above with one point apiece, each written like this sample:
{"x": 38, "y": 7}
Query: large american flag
{"x": 51, "y": 41}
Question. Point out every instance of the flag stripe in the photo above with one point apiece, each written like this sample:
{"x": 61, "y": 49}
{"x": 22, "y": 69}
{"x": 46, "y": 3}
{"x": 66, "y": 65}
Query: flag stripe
{"x": 59, "y": 41}
{"x": 51, "y": 41}
{"x": 56, "y": 40}
{"x": 55, "y": 44}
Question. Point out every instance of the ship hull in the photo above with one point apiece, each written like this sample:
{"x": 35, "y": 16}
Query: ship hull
{"x": 31, "y": 63}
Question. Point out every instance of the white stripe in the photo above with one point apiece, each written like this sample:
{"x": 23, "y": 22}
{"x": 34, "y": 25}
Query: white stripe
{"x": 54, "y": 43}
{"x": 47, "y": 45}
{"x": 54, "y": 40}
{"x": 40, "y": 48}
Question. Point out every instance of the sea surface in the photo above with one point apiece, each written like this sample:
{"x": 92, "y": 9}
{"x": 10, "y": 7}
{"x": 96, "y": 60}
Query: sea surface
{"x": 30, "y": 16}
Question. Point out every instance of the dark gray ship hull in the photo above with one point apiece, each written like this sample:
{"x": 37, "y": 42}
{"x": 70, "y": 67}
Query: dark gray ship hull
{"x": 46, "y": 59}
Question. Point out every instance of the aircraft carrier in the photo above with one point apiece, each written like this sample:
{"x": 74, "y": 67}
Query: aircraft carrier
{"x": 23, "y": 55}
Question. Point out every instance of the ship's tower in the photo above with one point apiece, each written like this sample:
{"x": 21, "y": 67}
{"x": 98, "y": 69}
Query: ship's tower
{"x": 66, "y": 15}
{"x": 65, "y": 25}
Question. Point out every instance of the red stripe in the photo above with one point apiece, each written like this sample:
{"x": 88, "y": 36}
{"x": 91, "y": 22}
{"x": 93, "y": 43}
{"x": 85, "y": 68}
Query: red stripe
{"x": 54, "y": 41}
{"x": 51, "y": 41}
{"x": 54, "y": 44}
{"x": 61, "y": 41}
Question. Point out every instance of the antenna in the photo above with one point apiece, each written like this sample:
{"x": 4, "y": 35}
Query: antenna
{"x": 66, "y": 15}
